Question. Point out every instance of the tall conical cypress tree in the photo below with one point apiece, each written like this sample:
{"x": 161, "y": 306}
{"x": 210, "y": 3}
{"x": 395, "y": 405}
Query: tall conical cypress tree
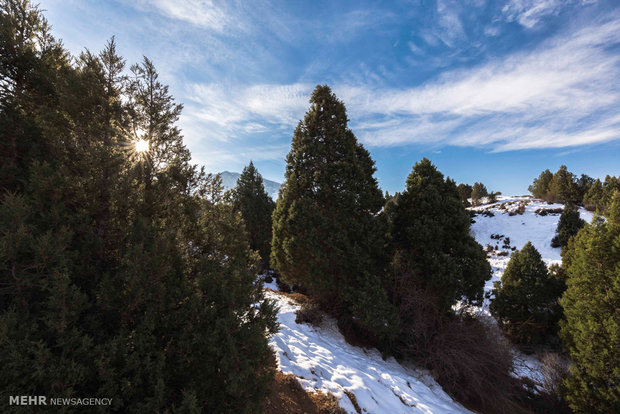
{"x": 251, "y": 199}
{"x": 591, "y": 331}
{"x": 431, "y": 243}
{"x": 326, "y": 236}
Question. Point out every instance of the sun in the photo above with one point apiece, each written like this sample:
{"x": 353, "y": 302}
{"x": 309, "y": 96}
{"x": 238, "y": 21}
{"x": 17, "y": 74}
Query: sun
{"x": 141, "y": 146}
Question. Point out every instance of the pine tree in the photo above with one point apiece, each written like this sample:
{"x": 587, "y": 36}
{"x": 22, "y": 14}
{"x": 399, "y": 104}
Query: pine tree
{"x": 326, "y": 236}
{"x": 478, "y": 192}
{"x": 430, "y": 240}
{"x": 568, "y": 226}
{"x": 465, "y": 193}
{"x": 591, "y": 331}
{"x": 563, "y": 187}
{"x": 540, "y": 186}
{"x": 610, "y": 186}
{"x": 593, "y": 199}
{"x": 256, "y": 207}
{"x": 526, "y": 301}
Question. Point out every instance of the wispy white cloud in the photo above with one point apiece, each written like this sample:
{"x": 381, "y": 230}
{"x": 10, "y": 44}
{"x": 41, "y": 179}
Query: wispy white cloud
{"x": 530, "y": 12}
{"x": 563, "y": 94}
{"x": 201, "y": 13}
{"x": 449, "y": 27}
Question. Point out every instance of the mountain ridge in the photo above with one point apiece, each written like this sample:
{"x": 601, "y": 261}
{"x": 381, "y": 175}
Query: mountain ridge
{"x": 229, "y": 181}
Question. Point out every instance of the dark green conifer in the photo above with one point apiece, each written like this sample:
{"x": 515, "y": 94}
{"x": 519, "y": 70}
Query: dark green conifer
{"x": 591, "y": 331}
{"x": 142, "y": 291}
{"x": 593, "y": 199}
{"x": 526, "y": 301}
{"x": 431, "y": 243}
{"x": 568, "y": 226}
{"x": 540, "y": 186}
{"x": 465, "y": 193}
{"x": 563, "y": 187}
{"x": 256, "y": 207}
{"x": 326, "y": 236}
{"x": 479, "y": 191}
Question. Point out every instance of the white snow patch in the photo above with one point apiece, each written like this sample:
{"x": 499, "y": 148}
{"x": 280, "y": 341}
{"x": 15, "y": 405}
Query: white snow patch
{"x": 520, "y": 228}
{"x": 322, "y": 360}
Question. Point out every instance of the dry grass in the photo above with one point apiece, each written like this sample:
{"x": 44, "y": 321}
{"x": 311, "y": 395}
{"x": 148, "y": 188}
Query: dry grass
{"x": 309, "y": 313}
{"x": 288, "y": 396}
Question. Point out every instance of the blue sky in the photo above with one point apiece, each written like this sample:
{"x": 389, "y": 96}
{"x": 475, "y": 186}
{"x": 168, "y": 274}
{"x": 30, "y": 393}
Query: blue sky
{"x": 491, "y": 91}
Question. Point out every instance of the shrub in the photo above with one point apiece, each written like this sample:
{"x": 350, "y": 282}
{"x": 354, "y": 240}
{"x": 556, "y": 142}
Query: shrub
{"x": 554, "y": 371}
{"x": 309, "y": 313}
{"x": 468, "y": 357}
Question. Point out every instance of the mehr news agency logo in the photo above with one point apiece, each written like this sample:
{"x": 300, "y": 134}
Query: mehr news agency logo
{"x": 43, "y": 400}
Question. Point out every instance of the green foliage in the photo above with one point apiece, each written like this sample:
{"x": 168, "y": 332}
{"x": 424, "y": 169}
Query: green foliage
{"x": 593, "y": 199}
{"x": 477, "y": 193}
{"x": 526, "y": 301}
{"x": 256, "y": 207}
{"x": 124, "y": 275}
{"x": 591, "y": 331}
{"x": 430, "y": 242}
{"x": 540, "y": 186}
{"x": 563, "y": 187}
{"x": 326, "y": 236}
{"x": 568, "y": 226}
{"x": 465, "y": 193}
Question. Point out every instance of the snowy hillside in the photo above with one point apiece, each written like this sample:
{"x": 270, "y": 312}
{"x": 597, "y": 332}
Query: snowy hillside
{"x": 229, "y": 180}
{"x": 536, "y": 223}
{"x": 323, "y": 360}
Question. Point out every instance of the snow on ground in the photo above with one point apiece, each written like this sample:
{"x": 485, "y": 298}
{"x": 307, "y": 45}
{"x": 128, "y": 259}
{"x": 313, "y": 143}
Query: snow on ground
{"x": 519, "y": 228}
{"x": 322, "y": 360}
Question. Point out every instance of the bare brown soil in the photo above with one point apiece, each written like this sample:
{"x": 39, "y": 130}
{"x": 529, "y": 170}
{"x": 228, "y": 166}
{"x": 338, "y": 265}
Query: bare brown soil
{"x": 289, "y": 397}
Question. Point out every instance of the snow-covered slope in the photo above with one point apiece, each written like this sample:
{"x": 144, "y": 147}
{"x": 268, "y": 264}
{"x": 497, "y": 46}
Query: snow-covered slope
{"x": 323, "y": 360}
{"x": 229, "y": 180}
{"x": 519, "y": 228}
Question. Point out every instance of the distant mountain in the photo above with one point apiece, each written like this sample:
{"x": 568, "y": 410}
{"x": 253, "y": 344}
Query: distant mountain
{"x": 229, "y": 180}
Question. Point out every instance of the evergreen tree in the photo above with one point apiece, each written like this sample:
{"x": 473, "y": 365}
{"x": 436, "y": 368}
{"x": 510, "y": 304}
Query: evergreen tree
{"x": 568, "y": 226}
{"x": 563, "y": 187}
{"x": 142, "y": 291}
{"x": 593, "y": 199}
{"x": 465, "y": 193}
{"x": 477, "y": 193}
{"x": 540, "y": 186}
{"x": 256, "y": 207}
{"x": 610, "y": 186}
{"x": 326, "y": 236}
{"x": 591, "y": 331}
{"x": 584, "y": 183}
{"x": 431, "y": 244}
{"x": 526, "y": 301}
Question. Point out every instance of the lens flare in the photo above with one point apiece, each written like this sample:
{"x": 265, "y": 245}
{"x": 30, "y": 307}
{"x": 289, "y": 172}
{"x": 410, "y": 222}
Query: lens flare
{"x": 141, "y": 146}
